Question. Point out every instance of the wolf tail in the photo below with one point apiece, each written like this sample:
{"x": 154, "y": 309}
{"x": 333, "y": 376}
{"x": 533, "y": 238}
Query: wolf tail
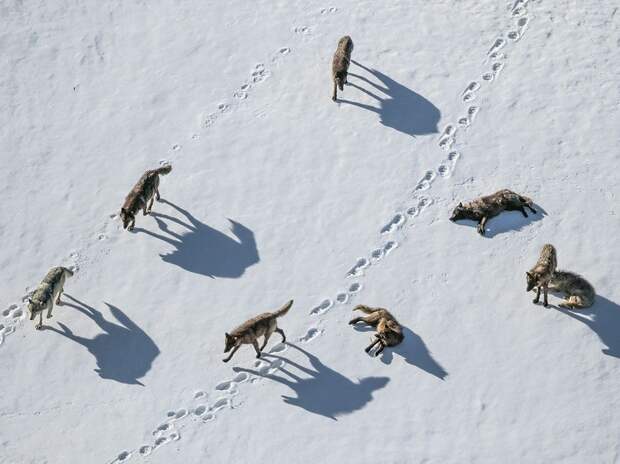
{"x": 284, "y": 309}
{"x": 365, "y": 309}
{"x": 165, "y": 169}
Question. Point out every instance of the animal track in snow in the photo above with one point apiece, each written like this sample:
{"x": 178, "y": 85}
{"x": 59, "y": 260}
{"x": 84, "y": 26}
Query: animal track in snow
{"x": 305, "y": 30}
{"x": 200, "y": 410}
{"x": 342, "y": 298}
{"x": 355, "y": 287}
{"x": 323, "y": 307}
{"x": 279, "y": 348}
{"x": 199, "y": 394}
{"x": 310, "y": 335}
{"x": 223, "y": 386}
{"x": 122, "y": 457}
{"x": 426, "y": 181}
{"x": 176, "y": 147}
{"x": 243, "y": 376}
{"x": 358, "y": 268}
{"x": 497, "y": 45}
{"x": 332, "y": 10}
{"x": 220, "y": 404}
{"x": 145, "y": 450}
{"x": 395, "y": 223}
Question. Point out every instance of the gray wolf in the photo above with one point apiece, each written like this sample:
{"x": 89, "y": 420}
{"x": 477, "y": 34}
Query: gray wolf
{"x": 47, "y": 293}
{"x": 340, "y": 64}
{"x": 484, "y": 208}
{"x": 389, "y": 331}
{"x": 540, "y": 275}
{"x": 579, "y": 293}
{"x": 145, "y": 191}
{"x": 262, "y": 325}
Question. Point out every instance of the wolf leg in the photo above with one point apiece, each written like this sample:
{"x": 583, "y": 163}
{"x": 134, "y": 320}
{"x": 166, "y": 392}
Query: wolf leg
{"x": 58, "y": 302}
{"x": 151, "y": 204}
{"x": 334, "y": 94}
{"x": 482, "y": 224}
{"x": 39, "y": 326}
{"x": 255, "y": 343}
{"x": 281, "y": 332}
{"x": 49, "y": 309}
{"x": 535, "y": 300}
{"x": 369, "y": 347}
{"x": 231, "y": 353}
{"x": 355, "y": 320}
{"x": 545, "y": 302}
{"x": 157, "y": 196}
{"x": 267, "y": 335}
{"x": 381, "y": 348}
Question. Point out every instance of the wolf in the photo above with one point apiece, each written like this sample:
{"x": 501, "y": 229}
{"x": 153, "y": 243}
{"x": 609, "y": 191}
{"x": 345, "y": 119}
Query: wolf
{"x": 340, "y": 64}
{"x": 47, "y": 293}
{"x": 542, "y": 272}
{"x": 262, "y": 325}
{"x": 145, "y": 190}
{"x": 389, "y": 331}
{"x": 579, "y": 292}
{"x": 484, "y": 208}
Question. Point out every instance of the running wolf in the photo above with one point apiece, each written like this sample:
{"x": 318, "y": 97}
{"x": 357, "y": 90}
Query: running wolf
{"x": 340, "y": 64}
{"x": 578, "y": 291}
{"x": 47, "y": 293}
{"x": 389, "y": 331}
{"x": 147, "y": 189}
{"x": 484, "y": 208}
{"x": 262, "y": 325}
{"x": 540, "y": 275}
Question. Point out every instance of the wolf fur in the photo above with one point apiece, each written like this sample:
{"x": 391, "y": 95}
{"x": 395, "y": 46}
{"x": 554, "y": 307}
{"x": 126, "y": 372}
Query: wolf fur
{"x": 484, "y": 208}
{"x": 540, "y": 275}
{"x": 47, "y": 293}
{"x": 262, "y": 325}
{"x": 579, "y": 293}
{"x": 340, "y": 64}
{"x": 145, "y": 191}
{"x": 389, "y": 331}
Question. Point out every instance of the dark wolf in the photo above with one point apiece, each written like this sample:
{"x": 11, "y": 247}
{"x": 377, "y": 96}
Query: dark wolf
{"x": 389, "y": 331}
{"x": 340, "y": 64}
{"x": 542, "y": 272}
{"x": 579, "y": 293}
{"x": 47, "y": 293}
{"x": 484, "y": 208}
{"x": 262, "y": 325}
{"x": 145, "y": 191}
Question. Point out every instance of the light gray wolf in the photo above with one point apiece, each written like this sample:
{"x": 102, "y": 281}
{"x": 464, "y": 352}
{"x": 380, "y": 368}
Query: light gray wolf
{"x": 262, "y": 325}
{"x": 484, "y": 208}
{"x": 47, "y": 293}
{"x": 340, "y": 64}
{"x": 389, "y": 331}
{"x": 540, "y": 275}
{"x": 145, "y": 191}
{"x": 579, "y": 293}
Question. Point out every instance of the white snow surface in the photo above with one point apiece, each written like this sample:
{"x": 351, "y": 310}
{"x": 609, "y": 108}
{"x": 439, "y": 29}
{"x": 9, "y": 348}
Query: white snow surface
{"x": 276, "y": 193}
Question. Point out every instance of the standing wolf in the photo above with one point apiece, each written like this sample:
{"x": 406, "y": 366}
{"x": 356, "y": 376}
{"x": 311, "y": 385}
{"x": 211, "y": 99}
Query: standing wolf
{"x": 340, "y": 64}
{"x": 540, "y": 275}
{"x": 145, "y": 191}
{"x": 484, "y": 208}
{"x": 578, "y": 291}
{"x": 389, "y": 331}
{"x": 262, "y": 325}
{"x": 47, "y": 293}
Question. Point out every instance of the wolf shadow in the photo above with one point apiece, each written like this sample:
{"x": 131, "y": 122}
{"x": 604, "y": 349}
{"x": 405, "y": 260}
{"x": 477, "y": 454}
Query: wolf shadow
{"x": 203, "y": 249}
{"x": 399, "y": 107}
{"x": 124, "y": 352}
{"x": 322, "y": 390}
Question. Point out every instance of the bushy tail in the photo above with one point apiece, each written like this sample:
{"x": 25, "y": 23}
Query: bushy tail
{"x": 284, "y": 309}
{"x": 365, "y": 309}
{"x": 165, "y": 169}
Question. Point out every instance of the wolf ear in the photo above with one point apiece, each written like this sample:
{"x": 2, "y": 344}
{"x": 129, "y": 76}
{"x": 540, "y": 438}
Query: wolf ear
{"x": 29, "y": 300}
{"x": 123, "y": 210}
{"x": 529, "y": 274}
{"x": 460, "y": 205}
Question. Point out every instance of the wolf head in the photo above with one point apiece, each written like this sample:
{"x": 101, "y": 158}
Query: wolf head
{"x": 126, "y": 217}
{"x": 230, "y": 343}
{"x": 532, "y": 280}
{"x": 34, "y": 306}
{"x": 460, "y": 212}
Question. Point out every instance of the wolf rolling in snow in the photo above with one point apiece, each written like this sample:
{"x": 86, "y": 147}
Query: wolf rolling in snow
{"x": 146, "y": 190}
{"x": 47, "y": 293}
{"x": 262, "y": 325}
{"x": 484, "y": 208}
{"x": 340, "y": 64}
{"x": 542, "y": 272}
{"x": 579, "y": 293}
{"x": 389, "y": 331}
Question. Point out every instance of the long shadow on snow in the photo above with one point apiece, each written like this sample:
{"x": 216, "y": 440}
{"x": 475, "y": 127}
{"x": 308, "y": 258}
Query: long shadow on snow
{"x": 124, "y": 352}
{"x": 400, "y": 108}
{"x": 324, "y": 391}
{"x": 506, "y": 221}
{"x": 205, "y": 250}
{"x": 603, "y": 318}
{"x": 412, "y": 349}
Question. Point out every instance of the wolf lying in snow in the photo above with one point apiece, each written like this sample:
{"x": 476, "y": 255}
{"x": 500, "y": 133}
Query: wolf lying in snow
{"x": 340, "y": 63}
{"x": 540, "y": 275}
{"x": 262, "y": 325}
{"x": 484, "y": 208}
{"x": 47, "y": 293}
{"x": 147, "y": 189}
{"x": 578, "y": 291}
{"x": 389, "y": 331}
